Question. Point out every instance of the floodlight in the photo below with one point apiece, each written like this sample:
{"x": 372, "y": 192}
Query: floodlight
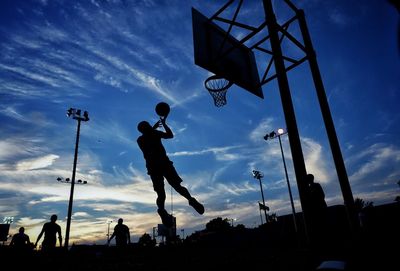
{"x": 85, "y": 116}
{"x": 70, "y": 112}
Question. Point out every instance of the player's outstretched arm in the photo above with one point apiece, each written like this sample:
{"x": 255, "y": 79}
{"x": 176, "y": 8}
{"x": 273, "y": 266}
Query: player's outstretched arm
{"x": 168, "y": 131}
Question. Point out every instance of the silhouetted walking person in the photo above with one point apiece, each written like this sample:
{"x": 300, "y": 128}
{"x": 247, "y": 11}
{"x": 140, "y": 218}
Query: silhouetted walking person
{"x": 121, "y": 234}
{"x": 20, "y": 241}
{"x": 50, "y": 230}
{"x": 159, "y": 167}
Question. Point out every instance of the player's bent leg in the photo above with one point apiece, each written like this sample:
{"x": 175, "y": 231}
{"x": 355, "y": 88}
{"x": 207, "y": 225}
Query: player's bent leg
{"x": 182, "y": 191}
{"x": 175, "y": 181}
{"x": 166, "y": 218}
{"x": 158, "y": 186}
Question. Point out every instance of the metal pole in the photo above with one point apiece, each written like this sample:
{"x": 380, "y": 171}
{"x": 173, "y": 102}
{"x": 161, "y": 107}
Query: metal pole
{"x": 262, "y": 195}
{"x": 172, "y": 203}
{"x": 288, "y": 184}
{"x": 329, "y": 125}
{"x": 108, "y": 230}
{"x": 71, "y": 195}
{"x": 287, "y": 105}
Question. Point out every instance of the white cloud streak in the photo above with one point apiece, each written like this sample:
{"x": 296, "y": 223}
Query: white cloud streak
{"x": 374, "y": 158}
{"x": 220, "y": 153}
{"x": 37, "y": 163}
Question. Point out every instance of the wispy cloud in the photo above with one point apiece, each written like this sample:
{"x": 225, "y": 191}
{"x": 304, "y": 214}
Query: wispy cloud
{"x": 259, "y": 132}
{"x": 221, "y": 153}
{"x": 374, "y": 159}
{"x": 235, "y": 189}
{"x": 12, "y": 113}
{"x": 11, "y": 147}
{"x": 339, "y": 18}
{"x": 145, "y": 80}
{"x": 36, "y": 177}
{"x": 316, "y": 160}
{"x": 27, "y": 74}
{"x": 37, "y": 163}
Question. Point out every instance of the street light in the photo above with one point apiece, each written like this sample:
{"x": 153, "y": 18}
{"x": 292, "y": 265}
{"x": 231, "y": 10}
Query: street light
{"x": 108, "y": 230}
{"x": 278, "y": 135}
{"x": 8, "y": 219}
{"x": 67, "y": 180}
{"x": 76, "y": 115}
{"x": 258, "y": 175}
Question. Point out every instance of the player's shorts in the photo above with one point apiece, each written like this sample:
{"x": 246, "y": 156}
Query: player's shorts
{"x": 168, "y": 172}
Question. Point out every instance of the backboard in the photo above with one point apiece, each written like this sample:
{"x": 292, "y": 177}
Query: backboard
{"x": 223, "y": 55}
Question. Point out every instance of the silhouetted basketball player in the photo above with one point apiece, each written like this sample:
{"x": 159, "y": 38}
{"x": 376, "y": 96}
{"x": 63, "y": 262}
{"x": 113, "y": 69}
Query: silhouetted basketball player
{"x": 159, "y": 167}
{"x": 20, "y": 240}
{"x": 121, "y": 234}
{"x": 50, "y": 230}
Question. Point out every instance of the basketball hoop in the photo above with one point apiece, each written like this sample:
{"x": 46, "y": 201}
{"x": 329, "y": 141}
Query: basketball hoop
{"x": 217, "y": 87}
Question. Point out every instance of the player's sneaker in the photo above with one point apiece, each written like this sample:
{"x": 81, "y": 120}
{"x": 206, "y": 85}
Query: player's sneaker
{"x": 196, "y": 205}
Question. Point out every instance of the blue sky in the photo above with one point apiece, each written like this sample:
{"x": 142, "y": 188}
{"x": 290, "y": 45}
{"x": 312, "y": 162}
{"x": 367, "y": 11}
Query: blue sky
{"x": 117, "y": 59}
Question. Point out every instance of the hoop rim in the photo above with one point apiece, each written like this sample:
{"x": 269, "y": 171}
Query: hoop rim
{"x": 216, "y": 77}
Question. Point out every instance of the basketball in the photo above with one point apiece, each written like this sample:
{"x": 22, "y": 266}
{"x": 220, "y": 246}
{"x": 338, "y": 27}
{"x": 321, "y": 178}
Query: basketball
{"x": 162, "y": 109}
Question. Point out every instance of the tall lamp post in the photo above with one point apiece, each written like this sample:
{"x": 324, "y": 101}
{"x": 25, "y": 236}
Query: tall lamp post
{"x": 258, "y": 175}
{"x": 278, "y": 135}
{"x": 67, "y": 180}
{"x": 76, "y": 115}
{"x": 108, "y": 230}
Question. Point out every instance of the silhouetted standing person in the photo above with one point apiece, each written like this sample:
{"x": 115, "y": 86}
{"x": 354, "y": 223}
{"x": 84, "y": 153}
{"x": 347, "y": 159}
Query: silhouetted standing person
{"x": 317, "y": 209}
{"x": 50, "y": 231}
{"x": 159, "y": 167}
{"x": 20, "y": 241}
{"x": 121, "y": 234}
{"x": 317, "y": 195}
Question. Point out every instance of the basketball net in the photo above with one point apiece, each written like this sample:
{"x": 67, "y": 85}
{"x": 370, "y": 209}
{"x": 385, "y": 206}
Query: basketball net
{"x": 217, "y": 87}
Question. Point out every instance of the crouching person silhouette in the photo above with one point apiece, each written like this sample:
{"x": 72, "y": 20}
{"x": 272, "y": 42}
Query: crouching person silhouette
{"x": 159, "y": 167}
